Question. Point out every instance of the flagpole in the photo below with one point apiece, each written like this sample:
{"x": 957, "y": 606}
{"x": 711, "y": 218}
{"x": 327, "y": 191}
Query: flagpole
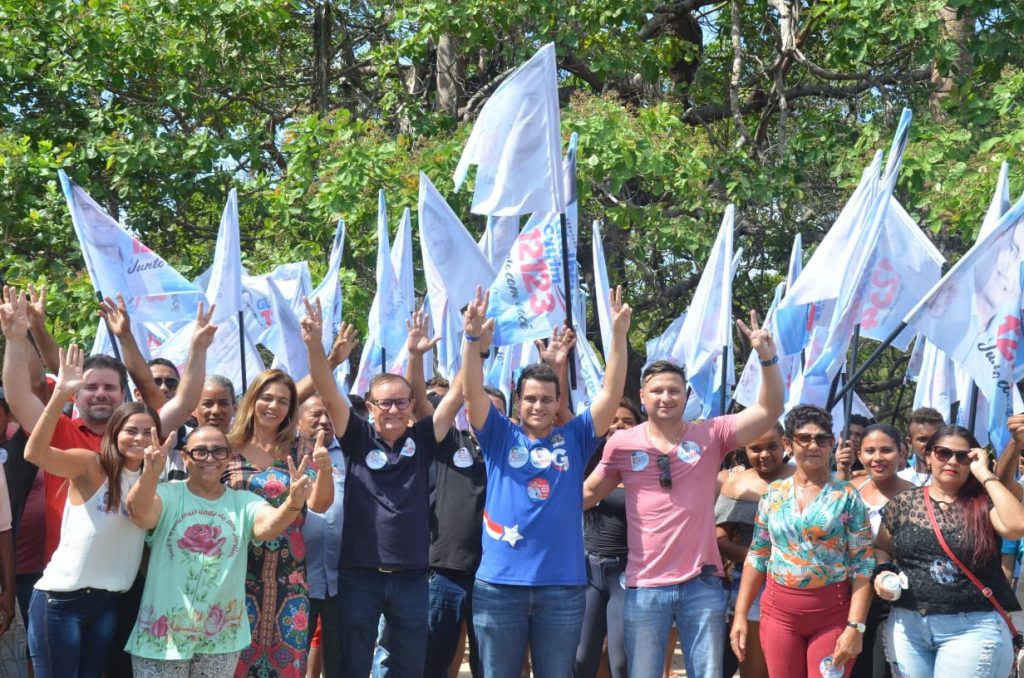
{"x": 113, "y": 344}
{"x": 241, "y": 346}
{"x": 568, "y": 296}
{"x": 383, "y": 360}
{"x": 972, "y": 416}
{"x": 899, "y": 400}
{"x": 725, "y": 367}
{"x": 871, "y": 360}
{"x": 848, "y": 402}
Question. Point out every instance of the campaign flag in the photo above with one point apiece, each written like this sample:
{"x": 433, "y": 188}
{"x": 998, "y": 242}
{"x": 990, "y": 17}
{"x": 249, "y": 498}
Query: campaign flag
{"x": 792, "y": 329}
{"x": 498, "y": 238}
{"x": 662, "y": 346}
{"x": 602, "y": 290}
{"x": 526, "y": 295}
{"x": 1000, "y": 202}
{"x": 935, "y": 376}
{"x": 1006, "y": 338}
{"x": 223, "y": 356}
{"x": 453, "y": 266}
{"x": 401, "y": 261}
{"x": 388, "y": 311}
{"x": 225, "y": 287}
{"x": 572, "y": 230}
{"x": 516, "y": 144}
{"x": 288, "y": 349}
{"x": 292, "y": 281}
{"x": 118, "y": 263}
{"x": 329, "y": 289}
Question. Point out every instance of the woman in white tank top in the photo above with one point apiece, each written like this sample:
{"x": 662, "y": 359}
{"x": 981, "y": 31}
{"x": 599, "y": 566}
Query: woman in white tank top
{"x": 73, "y": 613}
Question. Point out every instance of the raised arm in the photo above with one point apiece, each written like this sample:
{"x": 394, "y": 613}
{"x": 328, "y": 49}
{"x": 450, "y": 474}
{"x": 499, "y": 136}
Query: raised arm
{"x": 1009, "y": 460}
{"x": 603, "y": 407}
{"x": 45, "y": 344}
{"x": 322, "y": 495}
{"x": 319, "y": 370}
{"x": 62, "y": 463}
{"x": 556, "y": 355}
{"x": 1007, "y": 513}
{"x": 178, "y": 409}
{"x": 339, "y": 353}
{"x": 418, "y": 344}
{"x": 477, "y": 403}
{"x": 120, "y": 324}
{"x": 27, "y": 408}
{"x": 597, "y": 488}
{"x": 271, "y": 522}
{"x": 144, "y": 504}
{"x": 752, "y": 422}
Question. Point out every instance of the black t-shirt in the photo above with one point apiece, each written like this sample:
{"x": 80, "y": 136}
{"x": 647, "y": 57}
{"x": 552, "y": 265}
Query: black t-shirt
{"x": 457, "y": 506}
{"x": 20, "y": 474}
{"x": 386, "y": 496}
{"x": 604, "y": 526}
{"x": 936, "y": 584}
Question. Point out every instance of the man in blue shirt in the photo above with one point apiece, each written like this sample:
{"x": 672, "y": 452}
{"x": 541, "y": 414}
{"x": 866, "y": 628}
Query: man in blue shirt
{"x": 530, "y": 583}
{"x": 322, "y": 534}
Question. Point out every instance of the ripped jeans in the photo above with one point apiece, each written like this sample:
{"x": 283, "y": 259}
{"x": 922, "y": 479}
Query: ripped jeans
{"x": 963, "y": 644}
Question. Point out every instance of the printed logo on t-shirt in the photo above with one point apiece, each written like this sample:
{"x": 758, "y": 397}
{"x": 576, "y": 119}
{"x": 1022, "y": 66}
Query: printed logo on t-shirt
{"x": 540, "y": 457}
{"x": 409, "y": 448}
{"x": 506, "y": 533}
{"x": 462, "y": 458}
{"x": 376, "y": 459}
{"x": 639, "y": 460}
{"x": 557, "y": 440}
{"x": 688, "y": 452}
{"x": 538, "y": 489}
{"x": 943, "y": 571}
{"x": 560, "y": 460}
{"x": 517, "y": 457}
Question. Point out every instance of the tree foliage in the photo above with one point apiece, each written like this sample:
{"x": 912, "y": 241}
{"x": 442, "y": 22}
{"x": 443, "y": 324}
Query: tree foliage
{"x": 157, "y": 107}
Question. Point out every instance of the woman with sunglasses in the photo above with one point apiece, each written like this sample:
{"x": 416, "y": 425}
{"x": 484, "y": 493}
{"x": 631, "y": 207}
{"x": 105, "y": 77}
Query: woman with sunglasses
{"x": 882, "y": 455}
{"x": 735, "y": 511}
{"x": 193, "y": 620}
{"x": 263, "y": 435}
{"x": 812, "y": 543}
{"x": 943, "y": 624}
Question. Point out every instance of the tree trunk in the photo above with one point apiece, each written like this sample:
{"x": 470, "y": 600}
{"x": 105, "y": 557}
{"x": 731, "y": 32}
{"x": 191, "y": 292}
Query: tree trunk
{"x": 449, "y": 76}
{"x": 321, "y": 55}
{"x": 959, "y": 28}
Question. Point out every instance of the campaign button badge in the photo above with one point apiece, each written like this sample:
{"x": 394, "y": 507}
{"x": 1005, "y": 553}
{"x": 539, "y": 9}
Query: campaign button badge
{"x": 409, "y": 448}
{"x": 557, "y": 440}
{"x": 540, "y": 457}
{"x": 517, "y": 457}
{"x": 538, "y": 489}
{"x": 462, "y": 458}
{"x": 688, "y": 452}
{"x": 639, "y": 460}
{"x": 376, "y": 460}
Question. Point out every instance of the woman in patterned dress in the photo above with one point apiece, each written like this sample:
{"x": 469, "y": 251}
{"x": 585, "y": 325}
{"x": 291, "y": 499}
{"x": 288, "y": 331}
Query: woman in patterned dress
{"x": 276, "y": 597}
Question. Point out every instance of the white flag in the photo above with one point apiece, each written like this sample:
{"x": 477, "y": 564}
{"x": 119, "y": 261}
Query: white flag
{"x": 401, "y": 261}
{"x": 225, "y": 288}
{"x": 388, "y": 312}
{"x": 329, "y": 290}
{"x": 498, "y": 238}
{"x": 602, "y": 290}
{"x": 516, "y": 144}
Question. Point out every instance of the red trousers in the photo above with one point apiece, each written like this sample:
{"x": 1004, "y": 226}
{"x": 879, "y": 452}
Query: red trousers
{"x": 799, "y": 628}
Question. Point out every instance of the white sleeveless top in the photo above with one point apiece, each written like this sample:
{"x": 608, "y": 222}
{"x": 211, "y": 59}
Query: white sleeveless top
{"x": 98, "y": 549}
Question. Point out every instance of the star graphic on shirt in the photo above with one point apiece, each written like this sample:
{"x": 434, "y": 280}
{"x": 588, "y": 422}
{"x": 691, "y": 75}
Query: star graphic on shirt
{"x": 512, "y": 535}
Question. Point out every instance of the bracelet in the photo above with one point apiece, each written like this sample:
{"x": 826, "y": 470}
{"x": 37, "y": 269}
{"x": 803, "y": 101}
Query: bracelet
{"x": 774, "y": 360}
{"x": 988, "y": 480}
{"x": 471, "y": 339}
{"x": 294, "y": 509}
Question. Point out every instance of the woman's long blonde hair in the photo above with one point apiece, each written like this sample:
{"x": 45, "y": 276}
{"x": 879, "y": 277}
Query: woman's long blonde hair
{"x": 244, "y": 428}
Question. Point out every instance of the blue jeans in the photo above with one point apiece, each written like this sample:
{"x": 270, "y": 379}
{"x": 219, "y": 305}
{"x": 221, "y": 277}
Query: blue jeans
{"x": 506, "y": 618}
{"x": 401, "y": 596}
{"x": 605, "y": 597}
{"x": 451, "y": 604}
{"x": 71, "y": 633}
{"x": 697, "y": 607}
{"x": 962, "y": 644}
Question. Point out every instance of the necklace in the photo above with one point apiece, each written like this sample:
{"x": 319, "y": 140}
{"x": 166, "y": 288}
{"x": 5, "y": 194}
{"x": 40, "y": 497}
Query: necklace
{"x": 679, "y": 440}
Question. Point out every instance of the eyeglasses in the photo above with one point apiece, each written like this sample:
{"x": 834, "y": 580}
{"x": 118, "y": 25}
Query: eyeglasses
{"x": 169, "y": 382}
{"x": 664, "y": 474}
{"x": 203, "y": 453}
{"x": 821, "y": 439}
{"x": 400, "y": 403}
{"x": 944, "y": 454}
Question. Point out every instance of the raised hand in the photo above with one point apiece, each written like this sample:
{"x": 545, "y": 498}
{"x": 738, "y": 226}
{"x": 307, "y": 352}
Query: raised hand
{"x": 14, "y": 314}
{"x": 300, "y": 487}
{"x": 556, "y": 353}
{"x": 343, "y": 345}
{"x": 760, "y": 339}
{"x": 486, "y": 336}
{"x": 1016, "y": 425}
{"x": 418, "y": 342}
{"x": 476, "y": 313}
{"x": 621, "y": 313}
{"x": 116, "y": 315}
{"x": 202, "y": 336}
{"x": 36, "y": 306}
{"x": 71, "y": 375}
{"x": 313, "y": 324}
{"x": 844, "y": 456}
{"x": 980, "y": 464}
{"x": 321, "y": 457}
{"x": 154, "y": 457}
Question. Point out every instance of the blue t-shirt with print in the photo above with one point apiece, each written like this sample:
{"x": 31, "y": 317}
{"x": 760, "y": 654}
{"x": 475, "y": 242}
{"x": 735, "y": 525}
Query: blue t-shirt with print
{"x": 533, "y": 528}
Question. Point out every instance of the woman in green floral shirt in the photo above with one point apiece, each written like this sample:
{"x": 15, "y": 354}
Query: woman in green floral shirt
{"x": 192, "y": 621}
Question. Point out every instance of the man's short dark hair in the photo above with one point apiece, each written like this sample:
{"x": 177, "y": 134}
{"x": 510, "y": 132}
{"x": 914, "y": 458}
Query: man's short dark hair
{"x": 438, "y": 382}
{"x": 101, "y": 361}
{"x": 662, "y": 367}
{"x": 491, "y": 391}
{"x": 166, "y": 363}
{"x": 860, "y": 419}
{"x": 538, "y": 372}
{"x": 801, "y": 415}
{"x": 927, "y": 416}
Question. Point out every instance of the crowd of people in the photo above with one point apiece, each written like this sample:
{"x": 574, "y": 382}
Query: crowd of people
{"x": 298, "y": 530}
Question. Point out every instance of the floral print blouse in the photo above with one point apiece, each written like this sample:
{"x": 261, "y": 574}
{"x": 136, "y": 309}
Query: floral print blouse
{"x": 826, "y": 543}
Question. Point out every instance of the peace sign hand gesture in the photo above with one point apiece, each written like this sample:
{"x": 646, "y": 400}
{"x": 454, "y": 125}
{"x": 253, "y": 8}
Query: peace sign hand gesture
{"x": 301, "y": 487}
{"x": 760, "y": 339}
{"x": 313, "y": 324}
{"x": 621, "y": 313}
{"x": 202, "y": 335}
{"x": 154, "y": 457}
{"x": 476, "y": 313}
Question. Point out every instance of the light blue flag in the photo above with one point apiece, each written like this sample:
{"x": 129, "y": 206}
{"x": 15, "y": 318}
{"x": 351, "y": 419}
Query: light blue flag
{"x": 288, "y": 349}
{"x": 792, "y": 330}
{"x": 602, "y": 290}
{"x": 225, "y": 288}
{"x": 388, "y": 311}
{"x": 1005, "y": 338}
{"x": 329, "y": 289}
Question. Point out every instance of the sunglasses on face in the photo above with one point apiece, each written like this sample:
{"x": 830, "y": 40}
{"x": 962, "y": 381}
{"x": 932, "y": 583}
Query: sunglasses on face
{"x": 203, "y": 453}
{"x": 169, "y": 382}
{"x": 944, "y": 454}
{"x": 400, "y": 403}
{"x": 664, "y": 473}
{"x": 805, "y": 439}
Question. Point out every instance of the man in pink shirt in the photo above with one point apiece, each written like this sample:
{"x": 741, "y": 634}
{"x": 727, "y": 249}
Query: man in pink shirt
{"x": 668, "y": 468}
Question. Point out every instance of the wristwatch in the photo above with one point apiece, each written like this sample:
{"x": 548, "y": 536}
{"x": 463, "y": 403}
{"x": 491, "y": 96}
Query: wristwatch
{"x": 861, "y": 628}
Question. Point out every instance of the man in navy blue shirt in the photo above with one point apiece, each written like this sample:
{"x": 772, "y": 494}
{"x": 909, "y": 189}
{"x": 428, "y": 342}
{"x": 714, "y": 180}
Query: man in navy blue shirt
{"x": 530, "y": 583}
